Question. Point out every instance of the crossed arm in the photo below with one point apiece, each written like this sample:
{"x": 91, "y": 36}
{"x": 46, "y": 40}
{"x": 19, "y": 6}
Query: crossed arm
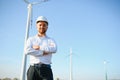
{"x": 36, "y": 47}
{"x": 37, "y": 50}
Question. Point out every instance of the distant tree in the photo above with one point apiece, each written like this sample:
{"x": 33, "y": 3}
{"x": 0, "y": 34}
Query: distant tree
{"x": 6, "y": 79}
{"x": 57, "y": 79}
{"x": 15, "y": 79}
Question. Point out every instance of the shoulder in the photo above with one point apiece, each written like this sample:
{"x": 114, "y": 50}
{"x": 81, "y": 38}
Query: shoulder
{"x": 31, "y": 38}
{"x": 50, "y": 39}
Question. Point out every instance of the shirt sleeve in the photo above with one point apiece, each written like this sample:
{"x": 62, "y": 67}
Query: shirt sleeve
{"x": 30, "y": 51}
{"x": 51, "y": 46}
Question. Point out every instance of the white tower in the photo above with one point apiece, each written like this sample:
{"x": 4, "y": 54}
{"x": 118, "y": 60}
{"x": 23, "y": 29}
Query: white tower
{"x": 71, "y": 64}
{"x": 105, "y": 67}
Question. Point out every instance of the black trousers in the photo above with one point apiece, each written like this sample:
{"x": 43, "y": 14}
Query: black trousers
{"x": 39, "y": 73}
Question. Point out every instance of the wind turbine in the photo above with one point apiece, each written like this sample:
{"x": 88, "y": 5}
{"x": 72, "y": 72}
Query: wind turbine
{"x": 24, "y": 60}
{"x": 105, "y": 67}
{"x": 71, "y": 75}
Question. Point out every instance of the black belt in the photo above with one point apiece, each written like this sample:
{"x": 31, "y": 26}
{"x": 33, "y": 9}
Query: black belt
{"x": 42, "y": 65}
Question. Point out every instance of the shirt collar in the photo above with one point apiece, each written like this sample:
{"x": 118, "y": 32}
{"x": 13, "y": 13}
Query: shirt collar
{"x": 41, "y": 37}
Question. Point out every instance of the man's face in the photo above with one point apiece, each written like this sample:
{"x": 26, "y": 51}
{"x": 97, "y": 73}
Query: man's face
{"x": 42, "y": 27}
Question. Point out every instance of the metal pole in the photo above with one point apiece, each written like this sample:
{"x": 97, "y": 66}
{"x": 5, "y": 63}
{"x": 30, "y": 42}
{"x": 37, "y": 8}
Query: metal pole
{"x": 105, "y": 66}
{"x": 70, "y": 64}
{"x": 23, "y": 69}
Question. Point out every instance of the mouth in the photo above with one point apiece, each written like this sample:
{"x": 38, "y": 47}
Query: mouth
{"x": 42, "y": 30}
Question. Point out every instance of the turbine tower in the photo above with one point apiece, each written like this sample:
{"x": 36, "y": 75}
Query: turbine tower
{"x": 71, "y": 76}
{"x": 105, "y": 66}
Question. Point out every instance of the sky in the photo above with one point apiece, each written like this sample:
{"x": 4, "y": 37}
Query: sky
{"x": 91, "y": 28}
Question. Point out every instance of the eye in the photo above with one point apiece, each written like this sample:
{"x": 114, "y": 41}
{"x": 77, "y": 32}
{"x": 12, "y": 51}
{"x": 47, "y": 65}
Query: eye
{"x": 42, "y": 24}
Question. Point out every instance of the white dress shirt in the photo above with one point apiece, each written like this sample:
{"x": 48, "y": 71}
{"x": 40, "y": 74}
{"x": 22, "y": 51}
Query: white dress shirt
{"x": 46, "y": 44}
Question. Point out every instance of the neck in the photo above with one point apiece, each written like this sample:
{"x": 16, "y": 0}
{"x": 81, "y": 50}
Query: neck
{"x": 41, "y": 35}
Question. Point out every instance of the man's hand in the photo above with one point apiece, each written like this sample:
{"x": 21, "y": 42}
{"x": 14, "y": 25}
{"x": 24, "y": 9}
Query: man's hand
{"x": 36, "y": 47}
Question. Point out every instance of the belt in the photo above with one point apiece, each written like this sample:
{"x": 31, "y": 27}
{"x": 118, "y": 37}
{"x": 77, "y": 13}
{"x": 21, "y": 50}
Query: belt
{"x": 42, "y": 65}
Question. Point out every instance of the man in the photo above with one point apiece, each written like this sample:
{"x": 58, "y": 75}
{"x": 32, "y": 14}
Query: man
{"x": 40, "y": 48}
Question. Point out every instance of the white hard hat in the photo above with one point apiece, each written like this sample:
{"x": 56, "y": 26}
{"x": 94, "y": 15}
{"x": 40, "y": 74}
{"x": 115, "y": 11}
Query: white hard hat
{"x": 42, "y": 18}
